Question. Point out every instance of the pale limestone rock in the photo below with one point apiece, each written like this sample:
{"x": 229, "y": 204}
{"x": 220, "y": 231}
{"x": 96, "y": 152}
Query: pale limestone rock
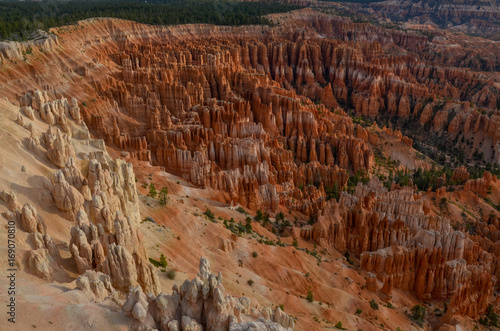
{"x": 136, "y": 304}
{"x": 66, "y": 197}
{"x": 81, "y": 263}
{"x": 30, "y": 220}
{"x": 33, "y": 140}
{"x": 20, "y": 121}
{"x": 44, "y": 241}
{"x": 39, "y": 262}
{"x": 189, "y": 324}
{"x": 11, "y": 200}
{"x": 96, "y": 285}
{"x": 73, "y": 175}
{"x": 173, "y": 326}
{"x": 120, "y": 265}
{"x": 74, "y": 111}
{"x": 201, "y": 304}
{"x": 59, "y": 149}
{"x": 28, "y": 112}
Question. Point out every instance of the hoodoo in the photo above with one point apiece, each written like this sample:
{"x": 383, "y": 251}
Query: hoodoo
{"x": 289, "y": 168}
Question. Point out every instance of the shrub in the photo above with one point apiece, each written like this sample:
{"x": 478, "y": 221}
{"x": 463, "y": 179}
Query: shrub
{"x": 248, "y": 225}
{"x": 374, "y": 305}
{"x": 418, "y": 314}
{"x": 163, "y": 196}
{"x": 348, "y": 258}
{"x": 310, "y": 296}
{"x": 152, "y": 191}
{"x": 154, "y": 262}
{"x": 259, "y": 215}
{"x": 339, "y": 325}
{"x": 254, "y": 254}
{"x": 161, "y": 263}
{"x": 265, "y": 219}
{"x": 280, "y": 216}
{"x": 208, "y": 213}
{"x": 282, "y": 307}
{"x": 358, "y": 311}
{"x": 241, "y": 210}
{"x": 490, "y": 318}
{"x": 171, "y": 274}
{"x": 250, "y": 282}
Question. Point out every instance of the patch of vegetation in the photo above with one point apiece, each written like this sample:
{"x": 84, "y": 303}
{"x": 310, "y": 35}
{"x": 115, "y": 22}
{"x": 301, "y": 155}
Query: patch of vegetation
{"x": 18, "y": 19}
{"x": 333, "y": 193}
{"x": 418, "y": 314}
{"x": 208, "y": 213}
{"x": 250, "y": 282}
{"x": 254, "y": 254}
{"x": 238, "y": 228}
{"x": 348, "y": 258}
{"x": 248, "y": 225}
{"x": 241, "y": 210}
{"x": 352, "y": 182}
{"x": 358, "y": 311}
{"x": 163, "y": 196}
{"x": 374, "y": 305}
{"x": 162, "y": 263}
{"x": 152, "y": 191}
{"x": 310, "y": 296}
{"x": 259, "y": 216}
{"x": 490, "y": 318}
{"x": 339, "y": 325}
{"x": 171, "y": 274}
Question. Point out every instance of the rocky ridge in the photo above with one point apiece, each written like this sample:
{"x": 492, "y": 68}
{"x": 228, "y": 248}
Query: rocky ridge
{"x": 105, "y": 242}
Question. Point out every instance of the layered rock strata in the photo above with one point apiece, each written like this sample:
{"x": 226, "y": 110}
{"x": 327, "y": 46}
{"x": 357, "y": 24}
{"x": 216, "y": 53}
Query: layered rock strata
{"x": 404, "y": 247}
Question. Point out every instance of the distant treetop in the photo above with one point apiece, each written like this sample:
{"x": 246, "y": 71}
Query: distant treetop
{"x": 19, "y": 19}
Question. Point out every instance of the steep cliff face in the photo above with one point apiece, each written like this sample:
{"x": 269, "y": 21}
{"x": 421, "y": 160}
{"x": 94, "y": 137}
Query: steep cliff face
{"x": 201, "y": 107}
{"x": 231, "y": 116}
{"x": 216, "y": 117}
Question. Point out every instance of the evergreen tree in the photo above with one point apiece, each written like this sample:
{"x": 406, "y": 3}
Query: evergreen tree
{"x": 163, "y": 196}
{"x": 152, "y": 191}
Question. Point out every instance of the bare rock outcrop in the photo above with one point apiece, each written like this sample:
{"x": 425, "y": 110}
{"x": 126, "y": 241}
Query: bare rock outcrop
{"x": 201, "y": 304}
{"x": 66, "y": 196}
{"x": 31, "y": 221}
{"x": 59, "y": 148}
{"x": 96, "y": 285}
